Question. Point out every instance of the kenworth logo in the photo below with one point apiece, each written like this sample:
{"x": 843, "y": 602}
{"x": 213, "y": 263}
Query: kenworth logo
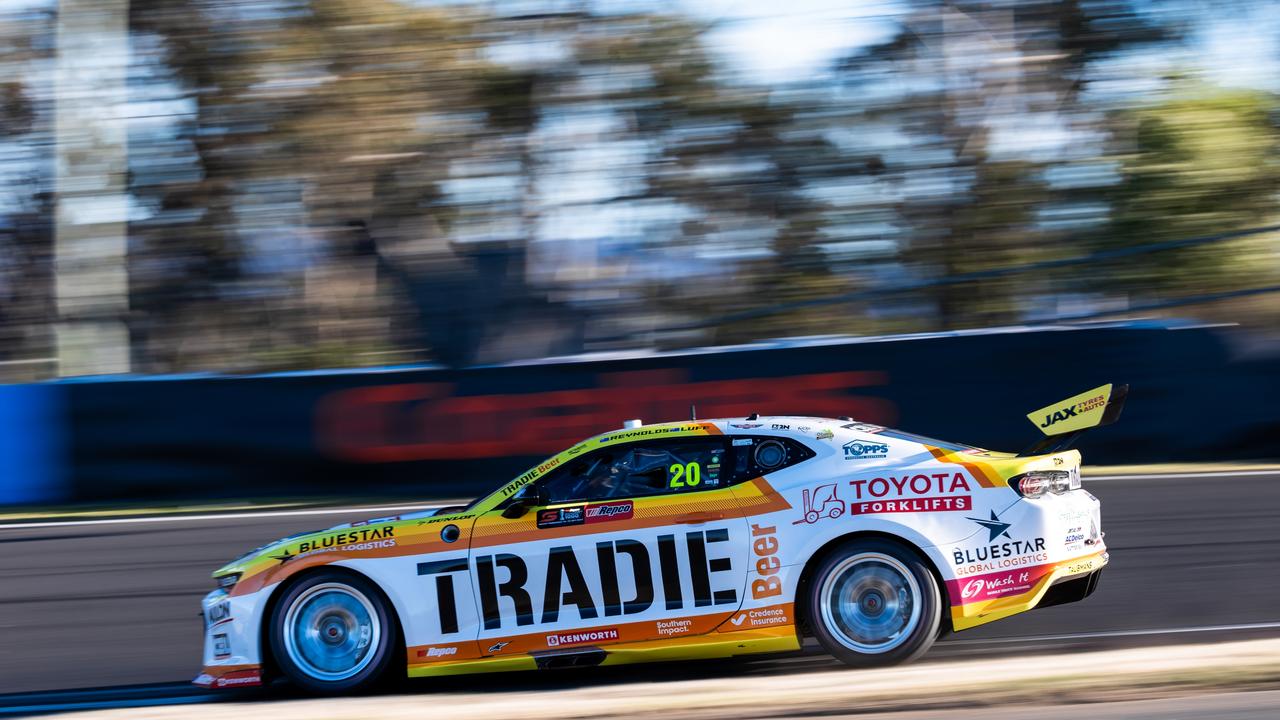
{"x": 863, "y": 450}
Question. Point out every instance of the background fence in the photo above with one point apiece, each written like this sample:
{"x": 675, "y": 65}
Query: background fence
{"x": 1197, "y": 393}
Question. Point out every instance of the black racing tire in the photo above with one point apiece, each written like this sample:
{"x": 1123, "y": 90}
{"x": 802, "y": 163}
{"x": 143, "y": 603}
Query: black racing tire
{"x": 873, "y": 603}
{"x": 348, "y": 609}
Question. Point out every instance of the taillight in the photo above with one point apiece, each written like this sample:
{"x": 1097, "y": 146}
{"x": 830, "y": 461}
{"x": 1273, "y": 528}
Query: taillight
{"x": 1038, "y": 483}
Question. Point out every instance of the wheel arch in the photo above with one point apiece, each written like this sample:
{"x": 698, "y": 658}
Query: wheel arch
{"x": 270, "y": 668}
{"x": 815, "y": 559}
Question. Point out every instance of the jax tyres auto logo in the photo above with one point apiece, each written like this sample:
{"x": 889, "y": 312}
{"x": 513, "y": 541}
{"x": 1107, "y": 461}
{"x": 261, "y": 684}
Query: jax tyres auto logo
{"x": 585, "y": 637}
{"x": 865, "y": 450}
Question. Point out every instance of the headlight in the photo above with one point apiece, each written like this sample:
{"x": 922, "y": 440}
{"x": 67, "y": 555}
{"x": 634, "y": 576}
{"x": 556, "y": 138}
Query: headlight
{"x": 1039, "y": 482}
{"x": 226, "y": 582}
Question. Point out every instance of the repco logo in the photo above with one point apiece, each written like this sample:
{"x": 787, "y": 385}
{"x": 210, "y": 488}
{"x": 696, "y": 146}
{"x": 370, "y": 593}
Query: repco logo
{"x": 973, "y": 588}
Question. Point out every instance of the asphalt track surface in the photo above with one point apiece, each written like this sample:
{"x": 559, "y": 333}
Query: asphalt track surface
{"x": 106, "y": 614}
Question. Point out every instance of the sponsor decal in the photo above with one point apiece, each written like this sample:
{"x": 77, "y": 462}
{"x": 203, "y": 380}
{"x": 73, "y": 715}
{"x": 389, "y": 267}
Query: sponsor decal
{"x": 221, "y": 646}
{"x": 604, "y": 512}
{"x": 1080, "y": 407}
{"x": 925, "y": 504}
{"x": 497, "y": 647}
{"x": 764, "y": 544}
{"x": 803, "y": 428}
{"x": 863, "y": 427}
{"x": 674, "y": 627}
{"x": 995, "y": 526}
{"x": 820, "y": 502}
{"x": 576, "y": 449}
{"x": 740, "y": 442}
{"x": 825, "y": 434}
{"x": 582, "y": 638}
{"x": 919, "y": 484}
{"x": 761, "y": 617}
{"x": 647, "y": 432}
{"x": 998, "y": 584}
{"x": 218, "y": 613}
{"x": 865, "y": 450}
{"x": 446, "y": 518}
{"x": 235, "y": 678}
{"x": 560, "y": 517}
{"x": 507, "y": 592}
{"x": 998, "y": 556}
{"x": 779, "y": 426}
{"x": 432, "y": 652}
{"x": 746, "y": 426}
{"x": 529, "y": 476}
{"x": 1075, "y": 538}
{"x": 343, "y": 538}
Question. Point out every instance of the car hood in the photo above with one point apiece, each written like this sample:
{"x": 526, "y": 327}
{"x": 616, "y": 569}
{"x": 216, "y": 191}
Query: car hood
{"x": 239, "y": 564}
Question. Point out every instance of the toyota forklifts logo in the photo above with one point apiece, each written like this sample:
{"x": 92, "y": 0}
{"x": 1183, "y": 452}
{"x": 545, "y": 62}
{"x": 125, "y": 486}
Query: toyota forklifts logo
{"x": 820, "y": 502}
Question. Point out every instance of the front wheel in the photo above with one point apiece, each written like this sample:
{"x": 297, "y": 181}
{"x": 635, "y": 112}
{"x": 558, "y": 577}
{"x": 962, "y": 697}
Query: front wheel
{"x": 874, "y": 602}
{"x": 332, "y": 632}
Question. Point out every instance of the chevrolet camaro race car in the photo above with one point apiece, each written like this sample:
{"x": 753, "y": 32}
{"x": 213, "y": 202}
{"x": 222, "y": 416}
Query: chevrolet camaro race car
{"x": 679, "y": 540}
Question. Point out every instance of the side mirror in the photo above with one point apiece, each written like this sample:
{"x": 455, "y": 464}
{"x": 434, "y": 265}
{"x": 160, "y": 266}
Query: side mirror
{"x": 529, "y": 496}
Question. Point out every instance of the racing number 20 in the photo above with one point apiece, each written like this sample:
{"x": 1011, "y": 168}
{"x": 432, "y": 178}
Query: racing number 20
{"x": 686, "y": 475}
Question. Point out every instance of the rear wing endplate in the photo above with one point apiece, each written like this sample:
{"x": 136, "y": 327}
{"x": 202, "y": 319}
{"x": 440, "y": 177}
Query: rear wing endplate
{"x": 1064, "y": 421}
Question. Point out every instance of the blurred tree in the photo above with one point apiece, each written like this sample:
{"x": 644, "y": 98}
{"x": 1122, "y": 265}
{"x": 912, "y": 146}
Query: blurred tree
{"x": 978, "y": 98}
{"x": 1204, "y": 161}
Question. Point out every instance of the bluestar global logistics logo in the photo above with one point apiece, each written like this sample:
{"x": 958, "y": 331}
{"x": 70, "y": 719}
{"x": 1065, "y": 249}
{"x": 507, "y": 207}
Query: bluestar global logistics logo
{"x": 995, "y": 526}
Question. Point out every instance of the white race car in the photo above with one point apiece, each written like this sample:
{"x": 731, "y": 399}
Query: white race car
{"x": 678, "y": 540}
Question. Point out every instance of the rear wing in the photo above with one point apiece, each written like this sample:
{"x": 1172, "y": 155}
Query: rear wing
{"x": 1063, "y": 422}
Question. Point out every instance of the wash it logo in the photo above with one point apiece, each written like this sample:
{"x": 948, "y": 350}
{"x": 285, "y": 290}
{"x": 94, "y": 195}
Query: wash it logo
{"x": 863, "y": 450}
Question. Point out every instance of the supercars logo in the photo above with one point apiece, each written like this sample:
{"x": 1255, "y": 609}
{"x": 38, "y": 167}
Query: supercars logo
{"x": 560, "y": 517}
{"x": 865, "y": 450}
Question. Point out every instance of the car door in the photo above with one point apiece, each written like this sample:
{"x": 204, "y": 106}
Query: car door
{"x": 632, "y": 542}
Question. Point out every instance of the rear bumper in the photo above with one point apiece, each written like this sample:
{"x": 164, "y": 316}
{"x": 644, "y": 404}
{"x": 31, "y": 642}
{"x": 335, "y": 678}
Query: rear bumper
{"x": 1070, "y": 589}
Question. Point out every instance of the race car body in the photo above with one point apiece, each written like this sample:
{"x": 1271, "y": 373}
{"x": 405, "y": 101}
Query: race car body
{"x": 678, "y": 540}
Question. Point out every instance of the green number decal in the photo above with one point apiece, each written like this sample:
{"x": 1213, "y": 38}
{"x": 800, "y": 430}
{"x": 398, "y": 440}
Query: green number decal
{"x": 687, "y": 475}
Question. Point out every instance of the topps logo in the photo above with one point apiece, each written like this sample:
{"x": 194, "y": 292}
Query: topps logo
{"x": 582, "y": 637}
{"x": 859, "y": 449}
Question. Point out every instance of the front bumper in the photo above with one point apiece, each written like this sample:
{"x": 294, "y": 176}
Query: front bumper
{"x": 231, "y": 655}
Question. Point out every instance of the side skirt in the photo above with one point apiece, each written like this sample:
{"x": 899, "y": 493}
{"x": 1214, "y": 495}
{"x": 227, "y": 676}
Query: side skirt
{"x": 780, "y": 638}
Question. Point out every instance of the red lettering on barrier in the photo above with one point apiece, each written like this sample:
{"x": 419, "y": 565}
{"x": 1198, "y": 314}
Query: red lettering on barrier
{"x": 427, "y": 421}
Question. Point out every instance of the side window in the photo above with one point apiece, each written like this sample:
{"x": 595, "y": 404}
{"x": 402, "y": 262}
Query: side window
{"x": 655, "y": 468}
{"x": 756, "y": 456}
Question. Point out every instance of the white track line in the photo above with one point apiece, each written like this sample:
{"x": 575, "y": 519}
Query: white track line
{"x": 221, "y": 516}
{"x": 397, "y": 508}
{"x": 1115, "y": 633}
{"x": 1179, "y": 476}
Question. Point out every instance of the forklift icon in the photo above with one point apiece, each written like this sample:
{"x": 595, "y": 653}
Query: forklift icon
{"x": 820, "y": 502}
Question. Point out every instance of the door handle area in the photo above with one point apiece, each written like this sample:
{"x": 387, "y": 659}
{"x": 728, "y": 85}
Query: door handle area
{"x": 698, "y": 517}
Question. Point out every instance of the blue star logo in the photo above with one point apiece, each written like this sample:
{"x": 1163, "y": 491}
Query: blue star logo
{"x": 995, "y": 525}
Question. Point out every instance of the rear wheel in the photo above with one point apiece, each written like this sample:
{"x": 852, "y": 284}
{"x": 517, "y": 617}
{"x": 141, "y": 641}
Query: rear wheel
{"x": 332, "y": 632}
{"x": 874, "y": 602}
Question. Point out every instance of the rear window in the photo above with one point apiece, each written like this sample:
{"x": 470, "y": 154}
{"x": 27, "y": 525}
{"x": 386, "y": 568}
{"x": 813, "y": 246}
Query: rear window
{"x": 912, "y": 437}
